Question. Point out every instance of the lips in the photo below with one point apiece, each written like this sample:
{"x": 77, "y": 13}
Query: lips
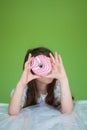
{"x": 41, "y": 65}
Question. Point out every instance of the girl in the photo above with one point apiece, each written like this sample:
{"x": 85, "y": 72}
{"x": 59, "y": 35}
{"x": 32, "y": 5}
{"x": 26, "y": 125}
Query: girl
{"x": 42, "y": 99}
{"x": 36, "y": 89}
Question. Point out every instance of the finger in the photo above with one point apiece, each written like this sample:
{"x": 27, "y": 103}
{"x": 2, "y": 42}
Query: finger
{"x": 53, "y": 66}
{"x": 60, "y": 59}
{"x": 26, "y": 64}
{"x": 37, "y": 77}
{"x": 56, "y": 57}
{"x": 48, "y": 76}
{"x": 29, "y": 57}
{"x": 52, "y": 58}
{"x": 30, "y": 60}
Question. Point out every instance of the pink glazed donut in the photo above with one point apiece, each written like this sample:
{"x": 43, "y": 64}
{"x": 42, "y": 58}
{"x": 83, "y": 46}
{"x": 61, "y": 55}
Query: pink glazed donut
{"x": 41, "y": 65}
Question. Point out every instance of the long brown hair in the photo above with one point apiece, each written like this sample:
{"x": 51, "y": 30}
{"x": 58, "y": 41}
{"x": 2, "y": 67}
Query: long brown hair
{"x": 32, "y": 92}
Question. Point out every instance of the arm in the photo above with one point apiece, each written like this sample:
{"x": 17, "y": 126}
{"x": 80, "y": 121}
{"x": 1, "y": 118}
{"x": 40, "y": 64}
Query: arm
{"x": 66, "y": 97}
{"x": 59, "y": 73}
{"x": 15, "y": 103}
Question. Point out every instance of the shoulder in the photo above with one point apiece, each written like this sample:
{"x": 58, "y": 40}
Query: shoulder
{"x": 23, "y": 97}
{"x": 24, "y": 92}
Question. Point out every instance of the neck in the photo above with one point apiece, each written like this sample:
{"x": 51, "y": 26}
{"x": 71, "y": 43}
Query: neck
{"x": 42, "y": 87}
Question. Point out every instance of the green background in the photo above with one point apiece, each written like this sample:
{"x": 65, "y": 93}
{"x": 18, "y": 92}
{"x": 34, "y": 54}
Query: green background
{"x": 60, "y": 25}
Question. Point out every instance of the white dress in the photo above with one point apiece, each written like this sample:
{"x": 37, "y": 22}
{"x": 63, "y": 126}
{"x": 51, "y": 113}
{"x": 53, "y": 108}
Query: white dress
{"x": 42, "y": 97}
{"x": 44, "y": 117}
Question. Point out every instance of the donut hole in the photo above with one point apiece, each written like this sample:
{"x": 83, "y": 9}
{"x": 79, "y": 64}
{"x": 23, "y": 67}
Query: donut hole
{"x": 41, "y": 66}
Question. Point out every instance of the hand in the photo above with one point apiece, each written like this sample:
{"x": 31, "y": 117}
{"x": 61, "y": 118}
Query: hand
{"x": 58, "y": 71}
{"x": 27, "y": 76}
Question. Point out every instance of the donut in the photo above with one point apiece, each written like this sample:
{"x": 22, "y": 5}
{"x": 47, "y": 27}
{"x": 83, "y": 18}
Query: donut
{"x": 41, "y": 65}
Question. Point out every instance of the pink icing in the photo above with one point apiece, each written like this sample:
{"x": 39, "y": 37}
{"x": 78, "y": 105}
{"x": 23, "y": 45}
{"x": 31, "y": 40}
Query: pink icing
{"x": 41, "y": 65}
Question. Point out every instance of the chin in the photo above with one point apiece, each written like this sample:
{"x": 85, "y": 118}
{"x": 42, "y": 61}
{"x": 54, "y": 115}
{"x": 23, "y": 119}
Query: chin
{"x": 45, "y": 80}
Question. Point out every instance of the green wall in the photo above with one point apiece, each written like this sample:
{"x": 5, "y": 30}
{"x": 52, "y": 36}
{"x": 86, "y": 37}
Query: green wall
{"x": 56, "y": 24}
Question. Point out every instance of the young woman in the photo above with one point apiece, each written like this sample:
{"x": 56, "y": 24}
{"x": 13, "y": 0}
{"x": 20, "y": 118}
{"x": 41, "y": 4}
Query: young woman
{"x": 33, "y": 86}
{"x": 42, "y": 99}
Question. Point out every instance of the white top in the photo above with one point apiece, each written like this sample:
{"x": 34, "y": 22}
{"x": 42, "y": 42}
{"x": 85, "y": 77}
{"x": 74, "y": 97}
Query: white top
{"x": 42, "y": 96}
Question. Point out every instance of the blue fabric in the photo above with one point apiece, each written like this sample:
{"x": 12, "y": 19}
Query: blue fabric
{"x": 44, "y": 117}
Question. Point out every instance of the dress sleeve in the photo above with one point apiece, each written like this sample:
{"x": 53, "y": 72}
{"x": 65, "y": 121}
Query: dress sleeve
{"x": 24, "y": 95}
{"x": 57, "y": 91}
